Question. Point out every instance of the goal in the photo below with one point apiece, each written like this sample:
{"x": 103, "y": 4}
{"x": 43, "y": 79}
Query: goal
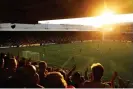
{"x": 35, "y": 56}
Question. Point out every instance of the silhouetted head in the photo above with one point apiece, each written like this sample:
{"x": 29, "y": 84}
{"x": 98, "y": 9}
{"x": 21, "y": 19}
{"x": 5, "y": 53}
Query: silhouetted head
{"x": 12, "y": 64}
{"x": 22, "y": 63}
{"x": 76, "y": 77}
{"x": 30, "y": 74}
{"x": 55, "y": 80}
{"x": 42, "y": 66}
{"x": 97, "y": 71}
{"x": 28, "y": 62}
{"x": 30, "y": 70}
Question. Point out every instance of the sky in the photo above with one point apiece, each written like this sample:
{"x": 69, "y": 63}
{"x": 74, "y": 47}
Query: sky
{"x": 107, "y": 15}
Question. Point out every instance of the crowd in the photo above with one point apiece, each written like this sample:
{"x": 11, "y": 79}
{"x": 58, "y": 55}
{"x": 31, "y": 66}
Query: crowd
{"x": 16, "y": 73}
{"x": 19, "y": 38}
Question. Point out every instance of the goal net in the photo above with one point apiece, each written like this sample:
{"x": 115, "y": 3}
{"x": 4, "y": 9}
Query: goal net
{"x": 35, "y": 56}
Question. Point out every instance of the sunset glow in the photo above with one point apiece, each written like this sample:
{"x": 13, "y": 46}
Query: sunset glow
{"x": 107, "y": 17}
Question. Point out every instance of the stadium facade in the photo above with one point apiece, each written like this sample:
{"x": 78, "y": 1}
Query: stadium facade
{"x": 45, "y": 27}
{"x": 122, "y": 27}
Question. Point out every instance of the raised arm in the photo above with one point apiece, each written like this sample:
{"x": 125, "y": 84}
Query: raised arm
{"x": 86, "y": 74}
{"x": 71, "y": 71}
{"x": 113, "y": 79}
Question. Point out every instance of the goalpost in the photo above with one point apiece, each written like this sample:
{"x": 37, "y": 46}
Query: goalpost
{"x": 35, "y": 56}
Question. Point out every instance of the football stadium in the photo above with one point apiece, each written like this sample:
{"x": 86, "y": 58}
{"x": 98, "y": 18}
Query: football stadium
{"x": 87, "y": 52}
{"x": 65, "y": 49}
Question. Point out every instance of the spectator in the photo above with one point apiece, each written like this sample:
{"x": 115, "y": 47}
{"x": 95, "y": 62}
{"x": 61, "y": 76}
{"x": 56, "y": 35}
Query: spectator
{"x": 11, "y": 67}
{"x": 22, "y": 63}
{"x": 17, "y": 80}
{"x": 42, "y": 72}
{"x": 31, "y": 77}
{"x": 97, "y": 73}
{"x": 28, "y": 62}
{"x": 76, "y": 80}
{"x": 55, "y": 80}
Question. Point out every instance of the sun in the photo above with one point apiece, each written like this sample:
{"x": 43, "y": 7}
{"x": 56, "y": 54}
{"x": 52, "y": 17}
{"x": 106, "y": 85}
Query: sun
{"x": 105, "y": 18}
{"x": 107, "y": 13}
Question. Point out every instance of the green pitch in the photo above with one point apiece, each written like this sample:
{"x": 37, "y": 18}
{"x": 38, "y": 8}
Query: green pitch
{"x": 114, "y": 56}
